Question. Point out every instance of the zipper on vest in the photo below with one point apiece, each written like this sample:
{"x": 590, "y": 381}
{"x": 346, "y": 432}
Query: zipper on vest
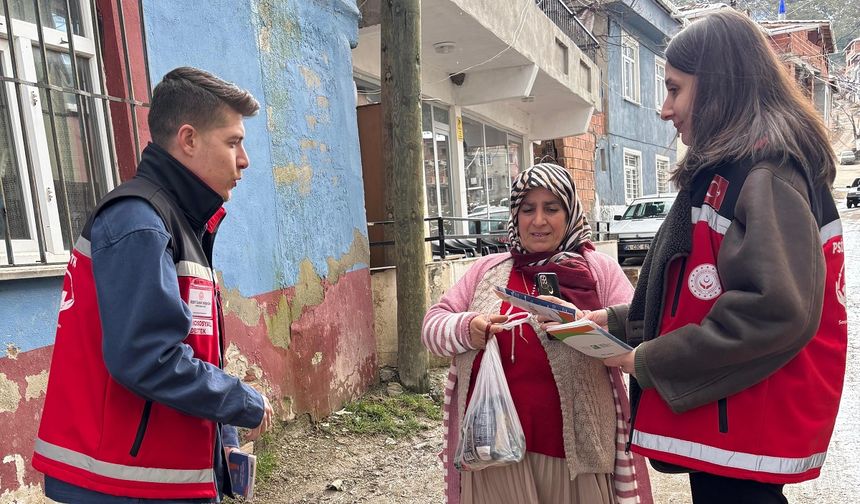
{"x": 141, "y": 429}
{"x": 678, "y": 286}
{"x": 722, "y": 406}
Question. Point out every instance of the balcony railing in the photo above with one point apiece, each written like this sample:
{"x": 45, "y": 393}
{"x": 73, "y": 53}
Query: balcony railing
{"x": 564, "y": 18}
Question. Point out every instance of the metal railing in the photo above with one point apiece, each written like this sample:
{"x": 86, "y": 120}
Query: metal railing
{"x": 444, "y": 244}
{"x": 560, "y": 14}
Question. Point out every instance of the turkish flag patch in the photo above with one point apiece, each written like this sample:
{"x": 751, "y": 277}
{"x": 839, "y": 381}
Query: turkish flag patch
{"x": 716, "y": 192}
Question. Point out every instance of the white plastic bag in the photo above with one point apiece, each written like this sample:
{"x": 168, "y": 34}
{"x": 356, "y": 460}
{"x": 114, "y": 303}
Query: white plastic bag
{"x": 491, "y": 434}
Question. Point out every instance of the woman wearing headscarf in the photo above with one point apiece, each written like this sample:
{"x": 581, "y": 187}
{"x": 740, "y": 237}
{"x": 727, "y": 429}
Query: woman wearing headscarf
{"x": 573, "y": 410}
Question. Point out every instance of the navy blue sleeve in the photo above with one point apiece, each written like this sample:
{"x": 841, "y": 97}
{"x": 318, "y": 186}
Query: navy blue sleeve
{"x": 144, "y": 321}
{"x": 230, "y": 436}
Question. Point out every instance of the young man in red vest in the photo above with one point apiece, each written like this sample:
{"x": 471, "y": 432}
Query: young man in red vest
{"x": 138, "y": 407}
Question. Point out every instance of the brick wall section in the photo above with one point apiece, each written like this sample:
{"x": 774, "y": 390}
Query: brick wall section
{"x": 799, "y": 45}
{"x": 576, "y": 153}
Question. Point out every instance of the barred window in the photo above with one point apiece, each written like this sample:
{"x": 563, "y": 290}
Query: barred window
{"x": 632, "y": 175}
{"x": 630, "y": 67}
{"x": 659, "y": 84}
{"x": 663, "y": 184}
{"x": 55, "y": 150}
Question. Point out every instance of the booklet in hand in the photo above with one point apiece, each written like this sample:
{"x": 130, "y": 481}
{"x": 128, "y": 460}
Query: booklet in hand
{"x": 582, "y": 335}
{"x": 537, "y": 306}
{"x": 243, "y": 471}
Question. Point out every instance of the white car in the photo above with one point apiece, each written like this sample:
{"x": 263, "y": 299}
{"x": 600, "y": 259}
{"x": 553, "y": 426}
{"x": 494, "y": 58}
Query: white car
{"x": 635, "y": 229}
{"x": 846, "y": 157}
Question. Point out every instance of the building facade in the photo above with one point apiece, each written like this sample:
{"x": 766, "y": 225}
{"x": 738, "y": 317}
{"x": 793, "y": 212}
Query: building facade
{"x": 636, "y": 155}
{"x": 804, "y": 47}
{"x": 496, "y": 77}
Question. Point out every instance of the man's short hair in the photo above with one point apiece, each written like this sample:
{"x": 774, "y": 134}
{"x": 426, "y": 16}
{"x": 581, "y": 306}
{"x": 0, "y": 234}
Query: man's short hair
{"x": 188, "y": 95}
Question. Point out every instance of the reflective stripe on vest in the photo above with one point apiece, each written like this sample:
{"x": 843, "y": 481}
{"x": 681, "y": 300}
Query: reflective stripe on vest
{"x": 83, "y": 246}
{"x": 193, "y": 269}
{"x": 122, "y": 472}
{"x": 726, "y": 458}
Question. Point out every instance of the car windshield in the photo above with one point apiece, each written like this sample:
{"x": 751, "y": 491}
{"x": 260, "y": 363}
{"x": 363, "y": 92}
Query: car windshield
{"x": 647, "y": 210}
{"x": 856, "y": 182}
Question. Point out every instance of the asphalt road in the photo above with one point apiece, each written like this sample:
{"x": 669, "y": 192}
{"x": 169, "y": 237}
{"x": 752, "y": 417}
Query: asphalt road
{"x": 838, "y": 483}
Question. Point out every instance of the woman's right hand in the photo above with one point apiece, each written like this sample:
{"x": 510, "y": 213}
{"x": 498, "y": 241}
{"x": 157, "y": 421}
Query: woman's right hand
{"x": 481, "y": 327}
{"x": 599, "y": 317}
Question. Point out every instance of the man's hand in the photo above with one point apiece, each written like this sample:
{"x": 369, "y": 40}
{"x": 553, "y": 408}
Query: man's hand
{"x": 265, "y": 424}
{"x": 623, "y": 361}
{"x": 481, "y": 328}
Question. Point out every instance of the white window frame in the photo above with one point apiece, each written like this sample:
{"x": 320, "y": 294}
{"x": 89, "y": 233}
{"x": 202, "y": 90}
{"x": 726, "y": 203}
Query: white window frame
{"x": 631, "y": 63}
{"x": 664, "y": 185}
{"x": 634, "y": 191}
{"x": 26, "y": 40}
{"x": 659, "y": 83}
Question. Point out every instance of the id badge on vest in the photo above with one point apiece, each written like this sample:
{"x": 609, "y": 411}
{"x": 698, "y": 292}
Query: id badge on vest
{"x": 200, "y": 301}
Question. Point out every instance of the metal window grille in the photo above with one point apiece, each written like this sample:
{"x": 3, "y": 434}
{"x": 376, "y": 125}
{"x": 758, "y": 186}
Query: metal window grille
{"x": 632, "y": 169}
{"x": 630, "y": 70}
{"x": 57, "y": 155}
{"x": 660, "y": 84}
{"x": 663, "y": 183}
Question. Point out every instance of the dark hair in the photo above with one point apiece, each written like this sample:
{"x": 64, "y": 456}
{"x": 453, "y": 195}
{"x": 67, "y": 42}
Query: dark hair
{"x": 188, "y": 95}
{"x": 746, "y": 106}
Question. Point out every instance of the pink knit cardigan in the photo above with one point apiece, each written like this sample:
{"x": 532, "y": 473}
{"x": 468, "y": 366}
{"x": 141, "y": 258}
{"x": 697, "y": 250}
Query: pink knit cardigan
{"x": 446, "y": 332}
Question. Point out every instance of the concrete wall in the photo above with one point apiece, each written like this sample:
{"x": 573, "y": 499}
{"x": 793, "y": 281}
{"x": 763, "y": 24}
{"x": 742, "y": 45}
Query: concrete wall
{"x": 292, "y": 254}
{"x": 441, "y": 276}
{"x": 631, "y": 125}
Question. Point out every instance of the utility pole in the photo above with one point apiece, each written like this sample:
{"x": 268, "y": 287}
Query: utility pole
{"x": 403, "y": 160}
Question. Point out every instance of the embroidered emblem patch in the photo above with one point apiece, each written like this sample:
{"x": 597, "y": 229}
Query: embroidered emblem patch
{"x": 704, "y": 282}
{"x": 716, "y": 192}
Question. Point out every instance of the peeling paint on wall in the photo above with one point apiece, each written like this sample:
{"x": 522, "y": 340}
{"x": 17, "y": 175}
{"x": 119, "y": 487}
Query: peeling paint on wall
{"x": 18, "y": 460}
{"x": 312, "y": 121}
{"x": 37, "y": 385}
{"x": 238, "y": 365}
{"x": 278, "y": 324}
{"x": 309, "y": 289}
{"x": 10, "y": 395}
{"x": 12, "y": 351}
{"x": 248, "y": 310}
{"x": 27, "y": 494}
{"x": 317, "y": 358}
{"x": 322, "y": 102}
{"x": 287, "y": 413}
{"x": 311, "y": 77}
{"x": 359, "y": 253}
{"x": 295, "y": 175}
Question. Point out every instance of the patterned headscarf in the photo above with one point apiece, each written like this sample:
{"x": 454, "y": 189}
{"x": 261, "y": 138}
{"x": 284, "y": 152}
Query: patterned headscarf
{"x": 557, "y": 180}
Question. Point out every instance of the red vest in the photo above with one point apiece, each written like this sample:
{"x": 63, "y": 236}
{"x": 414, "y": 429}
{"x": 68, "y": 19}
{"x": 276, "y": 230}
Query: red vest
{"x": 95, "y": 433}
{"x": 778, "y": 430}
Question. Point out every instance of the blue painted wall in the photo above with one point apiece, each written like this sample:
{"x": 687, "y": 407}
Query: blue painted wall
{"x": 28, "y": 311}
{"x": 630, "y": 125}
{"x": 302, "y": 197}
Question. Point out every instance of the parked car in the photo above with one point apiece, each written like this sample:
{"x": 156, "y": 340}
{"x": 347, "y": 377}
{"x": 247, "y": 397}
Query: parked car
{"x": 846, "y": 157}
{"x": 852, "y": 199}
{"x": 636, "y": 227}
{"x": 494, "y": 220}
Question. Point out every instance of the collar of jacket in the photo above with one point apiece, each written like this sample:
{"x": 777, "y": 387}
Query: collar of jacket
{"x": 196, "y": 199}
